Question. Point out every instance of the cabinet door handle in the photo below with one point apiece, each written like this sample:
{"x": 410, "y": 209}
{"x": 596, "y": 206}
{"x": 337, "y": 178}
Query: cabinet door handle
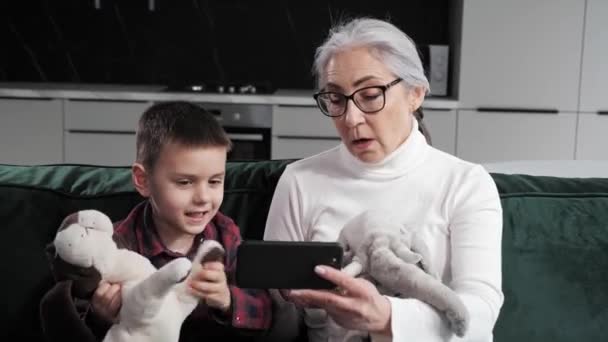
{"x": 298, "y": 137}
{"x": 107, "y": 100}
{"x": 602, "y": 112}
{"x": 27, "y": 98}
{"x": 517, "y": 110}
{"x": 245, "y": 136}
{"x": 100, "y": 131}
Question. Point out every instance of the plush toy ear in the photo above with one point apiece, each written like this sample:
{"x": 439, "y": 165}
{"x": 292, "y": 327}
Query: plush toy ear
{"x": 84, "y": 280}
{"x": 68, "y": 220}
{"x": 410, "y": 257}
{"x": 420, "y": 246}
{"x": 348, "y": 256}
{"x": 94, "y": 219}
{"x": 404, "y": 253}
{"x": 346, "y": 248}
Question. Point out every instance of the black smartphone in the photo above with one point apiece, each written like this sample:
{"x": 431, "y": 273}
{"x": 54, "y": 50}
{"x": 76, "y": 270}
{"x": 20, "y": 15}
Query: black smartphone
{"x": 285, "y": 264}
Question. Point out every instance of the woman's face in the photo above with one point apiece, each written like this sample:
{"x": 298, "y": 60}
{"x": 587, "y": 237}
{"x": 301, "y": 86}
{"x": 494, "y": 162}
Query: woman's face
{"x": 370, "y": 137}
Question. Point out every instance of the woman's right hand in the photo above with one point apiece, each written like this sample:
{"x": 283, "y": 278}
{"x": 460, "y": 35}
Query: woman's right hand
{"x": 301, "y": 303}
{"x": 106, "y": 301}
{"x": 354, "y": 304}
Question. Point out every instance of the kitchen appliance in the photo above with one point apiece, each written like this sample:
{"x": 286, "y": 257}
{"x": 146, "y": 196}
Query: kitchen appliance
{"x": 435, "y": 60}
{"x": 222, "y": 87}
{"x": 248, "y": 126}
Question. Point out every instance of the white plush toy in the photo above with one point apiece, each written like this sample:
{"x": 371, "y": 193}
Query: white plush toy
{"x": 154, "y": 302}
{"x": 384, "y": 250}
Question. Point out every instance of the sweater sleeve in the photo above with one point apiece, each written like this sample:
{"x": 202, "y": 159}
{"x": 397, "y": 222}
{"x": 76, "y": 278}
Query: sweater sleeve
{"x": 475, "y": 240}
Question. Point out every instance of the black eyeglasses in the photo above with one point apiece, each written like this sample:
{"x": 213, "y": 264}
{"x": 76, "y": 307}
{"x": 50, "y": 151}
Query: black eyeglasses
{"x": 369, "y": 100}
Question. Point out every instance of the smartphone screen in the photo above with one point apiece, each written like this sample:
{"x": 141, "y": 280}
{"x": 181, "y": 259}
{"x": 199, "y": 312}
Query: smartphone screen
{"x": 285, "y": 264}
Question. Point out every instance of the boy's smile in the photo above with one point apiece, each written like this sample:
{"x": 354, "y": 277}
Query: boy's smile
{"x": 186, "y": 189}
{"x": 197, "y": 217}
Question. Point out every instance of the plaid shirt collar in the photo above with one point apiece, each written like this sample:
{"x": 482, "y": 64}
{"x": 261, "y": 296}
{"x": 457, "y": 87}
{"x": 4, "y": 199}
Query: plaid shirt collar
{"x": 149, "y": 243}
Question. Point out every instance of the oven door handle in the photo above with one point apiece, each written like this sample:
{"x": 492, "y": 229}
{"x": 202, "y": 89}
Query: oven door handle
{"x": 246, "y": 136}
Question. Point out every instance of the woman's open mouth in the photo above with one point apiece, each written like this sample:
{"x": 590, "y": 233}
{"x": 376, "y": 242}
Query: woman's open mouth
{"x": 362, "y": 143}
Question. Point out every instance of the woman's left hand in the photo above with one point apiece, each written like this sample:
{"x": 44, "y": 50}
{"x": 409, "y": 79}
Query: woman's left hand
{"x": 356, "y": 305}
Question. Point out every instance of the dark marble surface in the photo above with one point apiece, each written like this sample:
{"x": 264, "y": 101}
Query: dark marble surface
{"x": 125, "y": 42}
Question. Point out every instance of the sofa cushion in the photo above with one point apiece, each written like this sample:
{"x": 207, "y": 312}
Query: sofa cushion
{"x": 516, "y": 185}
{"x": 555, "y": 257}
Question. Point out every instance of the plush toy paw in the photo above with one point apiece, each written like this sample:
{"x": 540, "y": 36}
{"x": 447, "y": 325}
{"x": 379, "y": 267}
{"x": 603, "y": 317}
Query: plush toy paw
{"x": 209, "y": 250}
{"x": 181, "y": 269}
{"x": 458, "y": 322}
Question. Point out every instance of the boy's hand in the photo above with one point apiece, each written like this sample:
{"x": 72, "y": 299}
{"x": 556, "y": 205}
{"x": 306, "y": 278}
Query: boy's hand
{"x": 106, "y": 301}
{"x": 210, "y": 285}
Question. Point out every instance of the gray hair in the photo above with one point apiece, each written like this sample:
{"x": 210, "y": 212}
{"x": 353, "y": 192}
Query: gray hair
{"x": 391, "y": 45}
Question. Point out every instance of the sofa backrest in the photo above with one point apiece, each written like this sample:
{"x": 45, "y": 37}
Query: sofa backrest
{"x": 555, "y": 259}
{"x": 555, "y": 241}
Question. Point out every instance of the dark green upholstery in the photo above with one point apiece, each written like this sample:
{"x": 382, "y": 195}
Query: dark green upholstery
{"x": 555, "y": 241}
{"x": 555, "y": 259}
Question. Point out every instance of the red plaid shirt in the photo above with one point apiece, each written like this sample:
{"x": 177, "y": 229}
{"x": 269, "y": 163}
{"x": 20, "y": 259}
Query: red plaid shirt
{"x": 250, "y": 308}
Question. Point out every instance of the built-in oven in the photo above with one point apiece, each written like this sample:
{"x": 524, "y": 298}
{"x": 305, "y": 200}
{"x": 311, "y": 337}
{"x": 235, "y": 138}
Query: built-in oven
{"x": 248, "y": 126}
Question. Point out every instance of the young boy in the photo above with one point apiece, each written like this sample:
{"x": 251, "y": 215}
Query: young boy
{"x": 180, "y": 169}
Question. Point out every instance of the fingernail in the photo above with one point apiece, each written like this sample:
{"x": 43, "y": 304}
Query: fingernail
{"x": 320, "y": 269}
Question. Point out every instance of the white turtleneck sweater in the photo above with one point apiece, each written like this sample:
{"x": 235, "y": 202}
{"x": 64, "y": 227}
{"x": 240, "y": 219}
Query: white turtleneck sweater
{"x": 452, "y": 204}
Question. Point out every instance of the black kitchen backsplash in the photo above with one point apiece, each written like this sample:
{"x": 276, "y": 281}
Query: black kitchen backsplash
{"x": 174, "y": 41}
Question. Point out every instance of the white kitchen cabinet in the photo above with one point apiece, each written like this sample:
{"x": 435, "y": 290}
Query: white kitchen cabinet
{"x": 490, "y": 136}
{"x": 297, "y": 148}
{"x": 31, "y": 131}
{"x": 592, "y": 137}
{"x": 442, "y": 127}
{"x": 114, "y": 149}
{"x": 594, "y": 90}
{"x": 302, "y": 121}
{"x": 521, "y": 54}
{"x": 300, "y": 132}
{"x": 101, "y": 132}
{"x": 113, "y": 116}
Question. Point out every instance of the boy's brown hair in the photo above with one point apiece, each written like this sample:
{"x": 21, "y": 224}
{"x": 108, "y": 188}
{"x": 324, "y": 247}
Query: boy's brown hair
{"x": 176, "y": 122}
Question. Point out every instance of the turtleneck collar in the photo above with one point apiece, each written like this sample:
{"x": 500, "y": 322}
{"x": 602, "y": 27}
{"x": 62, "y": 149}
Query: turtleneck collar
{"x": 404, "y": 158}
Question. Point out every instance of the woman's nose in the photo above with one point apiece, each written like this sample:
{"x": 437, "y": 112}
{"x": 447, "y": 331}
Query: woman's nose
{"x": 353, "y": 116}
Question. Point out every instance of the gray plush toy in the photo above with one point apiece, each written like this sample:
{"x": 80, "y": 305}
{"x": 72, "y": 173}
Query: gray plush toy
{"x": 376, "y": 246}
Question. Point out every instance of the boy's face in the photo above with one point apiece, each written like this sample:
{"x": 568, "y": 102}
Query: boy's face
{"x": 185, "y": 187}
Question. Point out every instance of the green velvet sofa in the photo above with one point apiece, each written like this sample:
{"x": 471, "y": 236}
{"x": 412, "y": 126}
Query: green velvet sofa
{"x": 555, "y": 242}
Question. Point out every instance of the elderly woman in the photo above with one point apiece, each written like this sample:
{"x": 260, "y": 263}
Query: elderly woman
{"x": 371, "y": 82}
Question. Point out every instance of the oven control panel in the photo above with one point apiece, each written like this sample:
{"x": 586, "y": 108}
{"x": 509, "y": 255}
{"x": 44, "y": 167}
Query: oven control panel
{"x": 241, "y": 115}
